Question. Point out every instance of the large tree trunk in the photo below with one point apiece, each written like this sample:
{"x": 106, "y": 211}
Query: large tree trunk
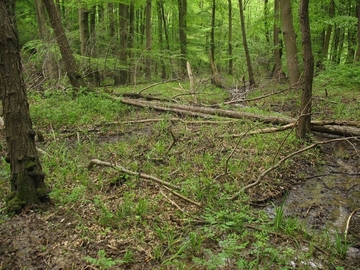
{"x": 304, "y": 125}
{"x": 290, "y": 42}
{"x": 246, "y": 48}
{"x": 27, "y": 177}
{"x": 75, "y": 78}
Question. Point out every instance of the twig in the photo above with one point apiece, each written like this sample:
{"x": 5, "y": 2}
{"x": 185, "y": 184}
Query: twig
{"x": 173, "y": 142}
{"x": 261, "y": 176}
{"x": 171, "y": 202}
{"x": 183, "y": 197}
{"x": 155, "y": 84}
{"x": 166, "y": 185}
{"x": 121, "y": 169}
{"x": 348, "y": 222}
{"x": 261, "y": 131}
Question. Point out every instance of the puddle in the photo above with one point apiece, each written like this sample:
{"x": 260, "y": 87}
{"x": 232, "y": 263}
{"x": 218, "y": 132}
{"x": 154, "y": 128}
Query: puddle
{"x": 325, "y": 200}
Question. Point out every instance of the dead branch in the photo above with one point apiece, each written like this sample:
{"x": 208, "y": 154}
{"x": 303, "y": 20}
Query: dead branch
{"x": 277, "y": 165}
{"x": 183, "y": 197}
{"x": 166, "y": 185}
{"x": 261, "y": 131}
{"x": 155, "y": 84}
{"x": 348, "y": 222}
{"x": 337, "y": 128}
{"x": 256, "y": 98}
{"x": 124, "y": 170}
{"x": 173, "y": 141}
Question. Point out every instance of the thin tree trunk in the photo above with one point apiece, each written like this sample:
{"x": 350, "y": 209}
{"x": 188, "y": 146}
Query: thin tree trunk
{"x": 357, "y": 57}
{"x": 27, "y": 177}
{"x": 122, "y": 77}
{"x": 230, "y": 50}
{"x": 148, "y": 39}
{"x": 246, "y": 48}
{"x": 49, "y": 71}
{"x": 277, "y": 72}
{"x": 84, "y": 30}
{"x": 182, "y": 4}
{"x": 304, "y": 125}
{"x": 212, "y": 31}
{"x": 266, "y": 23}
{"x": 290, "y": 42}
{"x": 69, "y": 61}
{"x": 328, "y": 30}
{"x": 160, "y": 35}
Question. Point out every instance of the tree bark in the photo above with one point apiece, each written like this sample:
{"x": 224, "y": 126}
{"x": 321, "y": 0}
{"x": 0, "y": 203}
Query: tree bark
{"x": 148, "y": 40}
{"x": 328, "y": 30}
{"x": 304, "y": 126}
{"x": 290, "y": 42}
{"x": 230, "y": 53}
{"x": 122, "y": 77}
{"x": 75, "y": 78}
{"x": 277, "y": 72}
{"x": 27, "y": 177}
{"x": 182, "y": 5}
{"x": 349, "y": 128}
{"x": 84, "y": 30}
{"x": 49, "y": 70}
{"x": 357, "y": 57}
{"x": 245, "y": 44}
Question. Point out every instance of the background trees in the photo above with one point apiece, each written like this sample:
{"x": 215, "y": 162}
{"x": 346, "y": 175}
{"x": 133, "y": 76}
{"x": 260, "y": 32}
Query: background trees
{"x": 112, "y": 39}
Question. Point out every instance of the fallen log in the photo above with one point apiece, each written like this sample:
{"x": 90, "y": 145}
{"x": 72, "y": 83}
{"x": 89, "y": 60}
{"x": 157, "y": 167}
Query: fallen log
{"x": 342, "y": 128}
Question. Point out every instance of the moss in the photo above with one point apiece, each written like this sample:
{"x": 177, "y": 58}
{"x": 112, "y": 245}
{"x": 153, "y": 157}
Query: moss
{"x": 15, "y": 205}
{"x": 30, "y": 165}
{"x": 42, "y": 192}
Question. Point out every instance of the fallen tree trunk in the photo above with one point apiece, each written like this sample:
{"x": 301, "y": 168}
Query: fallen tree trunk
{"x": 343, "y": 128}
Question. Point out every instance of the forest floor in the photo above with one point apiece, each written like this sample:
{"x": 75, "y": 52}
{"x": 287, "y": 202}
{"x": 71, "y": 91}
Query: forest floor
{"x": 105, "y": 218}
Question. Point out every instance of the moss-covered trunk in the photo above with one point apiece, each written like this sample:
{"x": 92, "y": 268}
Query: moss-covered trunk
{"x": 27, "y": 178}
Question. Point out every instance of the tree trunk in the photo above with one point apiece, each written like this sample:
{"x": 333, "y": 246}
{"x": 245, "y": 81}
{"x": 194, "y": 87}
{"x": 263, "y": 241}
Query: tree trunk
{"x": 75, "y": 78}
{"x": 84, "y": 30}
{"x": 328, "y": 30}
{"x": 304, "y": 126}
{"x": 290, "y": 42}
{"x": 148, "y": 39}
{"x": 122, "y": 77}
{"x": 230, "y": 53}
{"x": 182, "y": 4}
{"x": 131, "y": 41}
{"x": 266, "y": 23}
{"x": 159, "y": 5}
{"x": 357, "y": 57}
{"x": 246, "y": 48}
{"x": 49, "y": 71}
{"x": 277, "y": 72}
{"x": 27, "y": 177}
{"x": 212, "y": 31}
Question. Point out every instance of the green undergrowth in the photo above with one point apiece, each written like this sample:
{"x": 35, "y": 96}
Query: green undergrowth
{"x": 133, "y": 221}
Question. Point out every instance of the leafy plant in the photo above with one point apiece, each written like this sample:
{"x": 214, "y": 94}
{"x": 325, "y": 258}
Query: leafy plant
{"x": 102, "y": 261}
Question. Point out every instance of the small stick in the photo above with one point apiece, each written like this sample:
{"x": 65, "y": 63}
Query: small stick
{"x": 171, "y": 202}
{"x": 348, "y": 222}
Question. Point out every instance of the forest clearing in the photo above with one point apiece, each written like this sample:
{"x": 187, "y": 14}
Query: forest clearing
{"x": 179, "y": 134}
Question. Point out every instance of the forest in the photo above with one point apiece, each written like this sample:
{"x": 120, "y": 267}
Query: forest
{"x": 163, "y": 134}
